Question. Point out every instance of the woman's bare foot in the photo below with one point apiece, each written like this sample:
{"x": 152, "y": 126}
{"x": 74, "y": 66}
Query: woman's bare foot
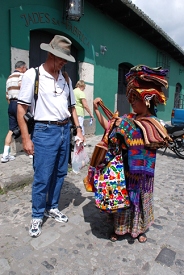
{"x": 114, "y": 237}
{"x": 142, "y": 238}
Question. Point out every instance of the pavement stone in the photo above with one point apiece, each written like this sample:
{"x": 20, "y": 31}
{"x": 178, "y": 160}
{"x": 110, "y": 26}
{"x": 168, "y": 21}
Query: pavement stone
{"x": 82, "y": 246}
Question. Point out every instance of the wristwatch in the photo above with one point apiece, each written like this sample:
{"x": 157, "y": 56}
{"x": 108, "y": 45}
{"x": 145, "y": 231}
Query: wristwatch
{"x": 78, "y": 127}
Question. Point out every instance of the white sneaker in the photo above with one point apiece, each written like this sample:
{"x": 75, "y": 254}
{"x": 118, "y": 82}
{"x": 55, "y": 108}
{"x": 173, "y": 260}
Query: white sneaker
{"x": 35, "y": 228}
{"x": 56, "y": 214}
{"x": 7, "y": 158}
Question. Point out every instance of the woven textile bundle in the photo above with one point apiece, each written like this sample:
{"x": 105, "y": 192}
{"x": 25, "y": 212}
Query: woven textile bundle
{"x": 148, "y": 83}
{"x": 154, "y": 133}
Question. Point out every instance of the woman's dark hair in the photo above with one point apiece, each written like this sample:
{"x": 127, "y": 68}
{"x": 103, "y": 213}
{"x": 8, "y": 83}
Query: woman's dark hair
{"x": 152, "y": 108}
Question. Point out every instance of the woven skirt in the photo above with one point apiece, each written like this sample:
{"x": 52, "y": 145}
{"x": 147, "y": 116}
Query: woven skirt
{"x": 135, "y": 221}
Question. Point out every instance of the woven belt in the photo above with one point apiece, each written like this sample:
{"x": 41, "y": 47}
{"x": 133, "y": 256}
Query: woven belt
{"x": 13, "y": 99}
{"x": 59, "y": 123}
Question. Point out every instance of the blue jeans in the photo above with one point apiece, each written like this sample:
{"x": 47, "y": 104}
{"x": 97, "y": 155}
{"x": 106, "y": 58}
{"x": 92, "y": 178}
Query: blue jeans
{"x": 50, "y": 163}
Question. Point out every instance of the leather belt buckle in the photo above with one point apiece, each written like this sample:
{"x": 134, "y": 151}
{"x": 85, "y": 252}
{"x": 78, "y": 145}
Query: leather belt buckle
{"x": 58, "y": 123}
{"x": 63, "y": 122}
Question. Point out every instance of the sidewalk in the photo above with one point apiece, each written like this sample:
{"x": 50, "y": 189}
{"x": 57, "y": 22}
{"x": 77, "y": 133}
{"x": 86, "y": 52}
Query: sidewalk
{"x": 19, "y": 172}
{"x": 82, "y": 246}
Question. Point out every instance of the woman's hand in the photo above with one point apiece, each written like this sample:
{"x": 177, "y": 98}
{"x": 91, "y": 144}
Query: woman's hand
{"x": 95, "y": 102}
{"x": 103, "y": 121}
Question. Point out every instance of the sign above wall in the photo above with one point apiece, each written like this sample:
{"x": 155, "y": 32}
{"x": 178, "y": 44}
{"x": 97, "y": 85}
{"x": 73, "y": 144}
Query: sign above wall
{"x": 30, "y": 17}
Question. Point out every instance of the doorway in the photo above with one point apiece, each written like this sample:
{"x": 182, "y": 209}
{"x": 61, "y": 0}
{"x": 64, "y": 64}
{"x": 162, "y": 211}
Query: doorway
{"x": 123, "y": 105}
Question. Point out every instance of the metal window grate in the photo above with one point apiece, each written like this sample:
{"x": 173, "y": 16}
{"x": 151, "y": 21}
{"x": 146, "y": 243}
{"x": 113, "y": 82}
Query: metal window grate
{"x": 164, "y": 62}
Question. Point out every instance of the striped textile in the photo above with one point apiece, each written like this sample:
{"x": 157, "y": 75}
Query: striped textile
{"x": 148, "y": 83}
{"x": 101, "y": 147}
{"x": 154, "y": 133}
{"x": 13, "y": 85}
{"x": 133, "y": 221}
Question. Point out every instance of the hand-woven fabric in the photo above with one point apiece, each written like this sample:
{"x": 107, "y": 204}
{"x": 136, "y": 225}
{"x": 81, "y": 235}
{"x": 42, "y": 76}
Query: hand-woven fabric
{"x": 110, "y": 185}
{"x": 148, "y": 83}
{"x": 154, "y": 133}
{"x": 141, "y": 161}
{"x": 139, "y": 165}
{"x": 101, "y": 147}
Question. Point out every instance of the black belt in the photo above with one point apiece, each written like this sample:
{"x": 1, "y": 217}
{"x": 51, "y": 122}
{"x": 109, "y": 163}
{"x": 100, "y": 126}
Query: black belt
{"x": 59, "y": 123}
{"x": 13, "y": 99}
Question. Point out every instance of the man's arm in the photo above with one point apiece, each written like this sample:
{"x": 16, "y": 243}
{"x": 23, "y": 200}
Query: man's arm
{"x": 76, "y": 122}
{"x": 26, "y": 140}
{"x": 7, "y": 98}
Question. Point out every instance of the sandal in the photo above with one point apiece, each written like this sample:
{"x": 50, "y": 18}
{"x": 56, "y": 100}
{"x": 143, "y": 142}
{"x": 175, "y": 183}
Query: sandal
{"x": 142, "y": 238}
{"x": 114, "y": 237}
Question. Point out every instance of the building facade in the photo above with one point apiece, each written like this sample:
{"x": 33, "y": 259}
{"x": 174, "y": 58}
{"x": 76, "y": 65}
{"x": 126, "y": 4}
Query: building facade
{"x": 104, "y": 48}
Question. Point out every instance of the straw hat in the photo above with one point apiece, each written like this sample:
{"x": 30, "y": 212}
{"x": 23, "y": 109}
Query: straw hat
{"x": 59, "y": 46}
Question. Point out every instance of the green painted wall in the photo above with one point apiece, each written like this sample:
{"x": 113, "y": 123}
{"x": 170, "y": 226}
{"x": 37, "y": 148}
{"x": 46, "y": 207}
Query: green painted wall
{"x": 94, "y": 29}
{"x": 124, "y": 46}
{"x": 5, "y": 47}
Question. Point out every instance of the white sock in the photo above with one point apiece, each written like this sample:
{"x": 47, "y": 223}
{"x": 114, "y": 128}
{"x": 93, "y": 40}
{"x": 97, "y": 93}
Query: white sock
{"x": 6, "y": 150}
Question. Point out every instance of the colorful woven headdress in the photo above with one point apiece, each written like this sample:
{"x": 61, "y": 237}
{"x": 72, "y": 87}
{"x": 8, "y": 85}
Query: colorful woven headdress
{"x": 147, "y": 83}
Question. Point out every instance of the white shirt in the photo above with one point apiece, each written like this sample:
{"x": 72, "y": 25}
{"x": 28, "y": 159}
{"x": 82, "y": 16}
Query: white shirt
{"x": 13, "y": 84}
{"x": 53, "y": 95}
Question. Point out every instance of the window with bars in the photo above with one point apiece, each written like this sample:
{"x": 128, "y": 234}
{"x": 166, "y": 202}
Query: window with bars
{"x": 164, "y": 62}
{"x": 178, "y": 97}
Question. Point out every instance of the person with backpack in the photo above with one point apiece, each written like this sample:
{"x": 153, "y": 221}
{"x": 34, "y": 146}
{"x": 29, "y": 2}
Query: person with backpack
{"x": 50, "y": 141}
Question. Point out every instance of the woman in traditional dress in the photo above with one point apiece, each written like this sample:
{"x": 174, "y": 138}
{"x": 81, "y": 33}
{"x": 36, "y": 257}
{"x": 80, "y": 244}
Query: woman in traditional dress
{"x": 144, "y": 91}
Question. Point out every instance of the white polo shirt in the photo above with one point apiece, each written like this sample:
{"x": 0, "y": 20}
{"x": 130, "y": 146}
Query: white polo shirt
{"x": 53, "y": 95}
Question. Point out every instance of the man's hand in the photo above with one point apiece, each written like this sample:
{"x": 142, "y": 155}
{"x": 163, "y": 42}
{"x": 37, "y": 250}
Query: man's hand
{"x": 28, "y": 146}
{"x": 79, "y": 134}
{"x": 26, "y": 140}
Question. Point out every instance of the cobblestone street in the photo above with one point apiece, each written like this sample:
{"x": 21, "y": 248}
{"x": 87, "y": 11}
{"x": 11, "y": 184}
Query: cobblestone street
{"x": 82, "y": 246}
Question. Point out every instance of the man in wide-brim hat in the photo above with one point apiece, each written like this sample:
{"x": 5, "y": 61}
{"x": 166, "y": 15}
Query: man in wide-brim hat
{"x": 51, "y": 135}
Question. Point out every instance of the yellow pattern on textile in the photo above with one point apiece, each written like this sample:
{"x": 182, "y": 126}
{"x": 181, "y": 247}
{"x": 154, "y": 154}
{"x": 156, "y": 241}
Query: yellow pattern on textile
{"x": 134, "y": 142}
